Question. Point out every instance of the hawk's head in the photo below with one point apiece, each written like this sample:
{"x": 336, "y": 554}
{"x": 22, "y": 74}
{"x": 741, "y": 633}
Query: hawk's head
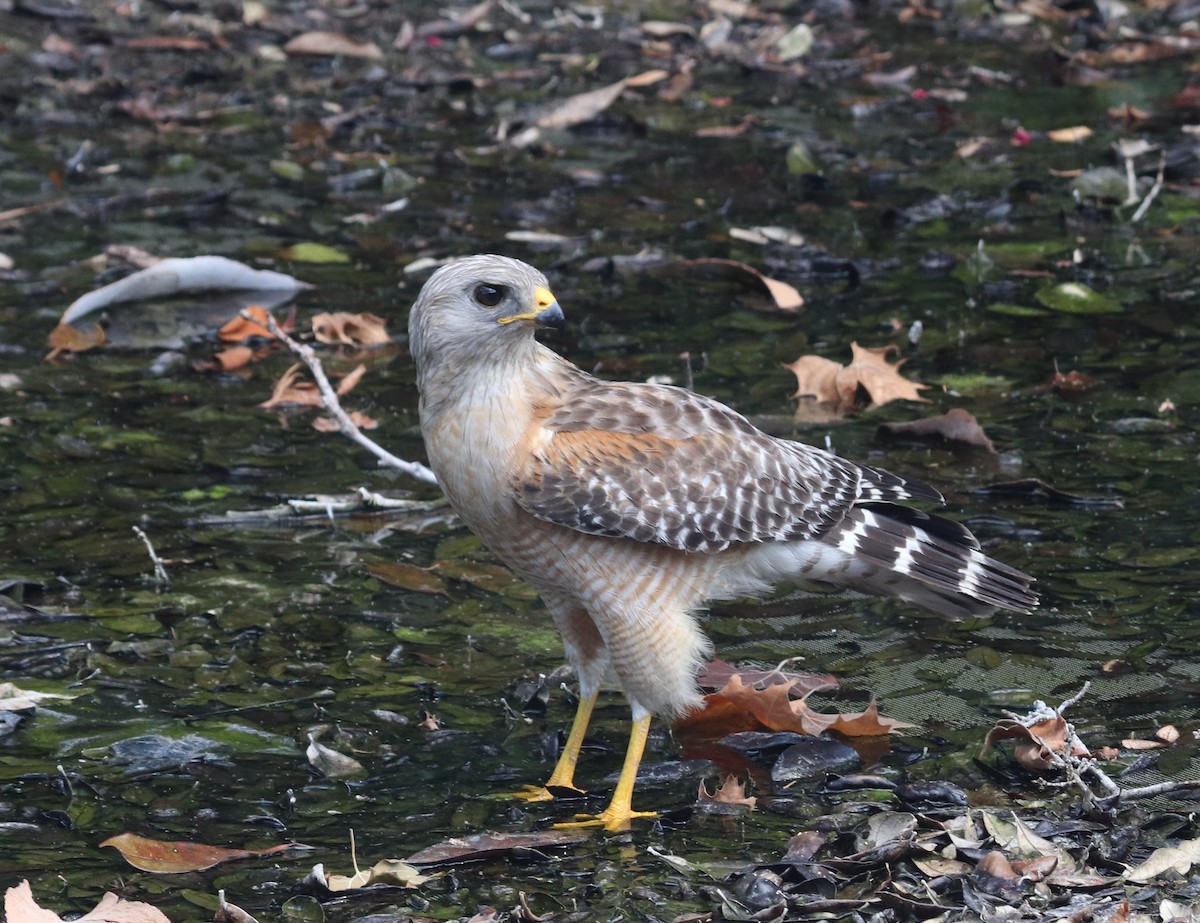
{"x": 479, "y": 302}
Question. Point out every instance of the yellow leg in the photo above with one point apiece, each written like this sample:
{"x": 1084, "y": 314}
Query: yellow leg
{"x": 620, "y": 811}
{"x": 564, "y": 771}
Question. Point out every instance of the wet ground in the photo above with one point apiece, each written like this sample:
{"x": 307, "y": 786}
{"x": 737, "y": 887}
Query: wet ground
{"x": 933, "y": 196}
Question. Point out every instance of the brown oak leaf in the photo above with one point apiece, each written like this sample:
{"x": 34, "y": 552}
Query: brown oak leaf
{"x": 827, "y": 390}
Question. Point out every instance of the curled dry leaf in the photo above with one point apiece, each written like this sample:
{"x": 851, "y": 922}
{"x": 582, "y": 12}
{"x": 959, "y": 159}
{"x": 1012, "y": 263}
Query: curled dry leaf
{"x": 357, "y": 417}
{"x": 331, "y": 44}
{"x": 20, "y": 907}
{"x": 1168, "y": 733}
{"x": 783, "y": 296}
{"x": 291, "y": 390}
{"x": 242, "y": 328}
{"x": 1037, "y": 745}
{"x": 347, "y": 329}
{"x": 827, "y": 390}
{"x": 165, "y": 857}
{"x": 228, "y": 360}
{"x": 390, "y": 872}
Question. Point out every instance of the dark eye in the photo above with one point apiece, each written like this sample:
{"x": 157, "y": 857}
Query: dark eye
{"x": 489, "y": 295}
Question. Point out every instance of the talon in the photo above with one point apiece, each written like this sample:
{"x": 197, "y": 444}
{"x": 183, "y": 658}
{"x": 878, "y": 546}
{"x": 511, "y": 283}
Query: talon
{"x": 612, "y": 821}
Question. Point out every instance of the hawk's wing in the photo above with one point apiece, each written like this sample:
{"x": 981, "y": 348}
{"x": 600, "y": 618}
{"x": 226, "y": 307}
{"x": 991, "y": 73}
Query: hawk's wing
{"x": 660, "y": 464}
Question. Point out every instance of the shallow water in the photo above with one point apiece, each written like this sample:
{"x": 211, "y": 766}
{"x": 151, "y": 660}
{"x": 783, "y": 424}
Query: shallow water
{"x": 270, "y": 631}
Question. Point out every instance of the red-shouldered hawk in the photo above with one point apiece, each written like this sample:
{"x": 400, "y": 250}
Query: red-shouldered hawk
{"x": 628, "y": 506}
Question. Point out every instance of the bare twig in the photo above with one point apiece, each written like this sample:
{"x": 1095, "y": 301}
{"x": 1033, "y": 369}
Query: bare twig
{"x": 330, "y": 400}
{"x": 1077, "y": 763}
{"x": 1152, "y": 194}
{"x": 160, "y": 572}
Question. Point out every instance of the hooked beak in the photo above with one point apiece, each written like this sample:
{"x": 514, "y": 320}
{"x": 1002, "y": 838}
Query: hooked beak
{"x": 546, "y": 313}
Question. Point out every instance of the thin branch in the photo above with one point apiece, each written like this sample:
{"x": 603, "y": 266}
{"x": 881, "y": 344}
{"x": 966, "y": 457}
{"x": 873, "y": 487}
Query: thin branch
{"x": 160, "y": 572}
{"x": 1152, "y": 194}
{"x": 330, "y": 400}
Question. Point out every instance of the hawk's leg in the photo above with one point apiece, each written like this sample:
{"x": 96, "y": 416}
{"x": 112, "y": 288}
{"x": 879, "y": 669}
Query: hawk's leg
{"x": 564, "y": 771}
{"x": 620, "y": 811}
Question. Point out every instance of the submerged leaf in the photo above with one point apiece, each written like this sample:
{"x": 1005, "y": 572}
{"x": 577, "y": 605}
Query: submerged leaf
{"x": 479, "y": 846}
{"x": 1077, "y": 298}
{"x": 165, "y": 857}
{"x": 956, "y": 426}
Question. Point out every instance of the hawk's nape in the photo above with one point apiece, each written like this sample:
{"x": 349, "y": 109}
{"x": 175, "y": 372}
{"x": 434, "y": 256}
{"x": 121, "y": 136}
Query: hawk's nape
{"x": 628, "y": 506}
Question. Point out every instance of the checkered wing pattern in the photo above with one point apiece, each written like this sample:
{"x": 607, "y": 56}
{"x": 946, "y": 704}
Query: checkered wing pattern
{"x": 660, "y": 464}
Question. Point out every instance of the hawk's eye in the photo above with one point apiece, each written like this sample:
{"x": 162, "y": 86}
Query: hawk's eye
{"x": 489, "y": 295}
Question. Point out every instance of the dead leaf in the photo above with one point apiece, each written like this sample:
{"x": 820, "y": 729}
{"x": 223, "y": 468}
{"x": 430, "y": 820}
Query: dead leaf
{"x": 575, "y": 110}
{"x": 242, "y": 328}
{"x": 390, "y": 872}
{"x": 164, "y": 857}
{"x": 1072, "y": 382}
{"x": 647, "y": 78}
{"x": 996, "y": 864}
{"x": 14, "y": 698}
{"x": 1138, "y": 743}
{"x": 332, "y": 43}
{"x": 1071, "y": 135}
{"x": 408, "y": 577}
{"x": 67, "y": 339}
{"x": 229, "y": 360}
{"x": 166, "y": 43}
{"x": 1038, "y": 744}
{"x": 357, "y": 417}
{"x": 350, "y": 380}
{"x": 731, "y": 791}
{"x": 291, "y": 390}
{"x": 737, "y": 706}
{"x": 20, "y": 907}
{"x": 347, "y": 329}
{"x": 827, "y": 390}
{"x": 479, "y": 846}
{"x": 330, "y": 763}
{"x": 1168, "y": 733}
{"x": 956, "y": 426}
{"x": 1178, "y": 858}
{"x": 783, "y": 296}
